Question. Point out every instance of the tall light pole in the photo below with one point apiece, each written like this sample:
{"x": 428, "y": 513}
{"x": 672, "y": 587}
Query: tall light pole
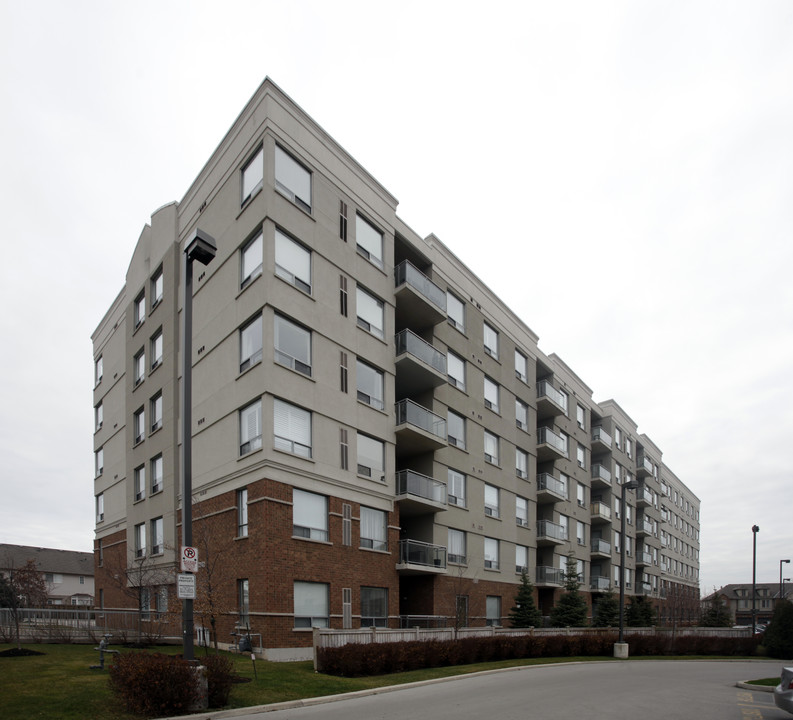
{"x": 621, "y": 648}
{"x": 755, "y": 530}
{"x": 781, "y": 596}
{"x": 202, "y": 247}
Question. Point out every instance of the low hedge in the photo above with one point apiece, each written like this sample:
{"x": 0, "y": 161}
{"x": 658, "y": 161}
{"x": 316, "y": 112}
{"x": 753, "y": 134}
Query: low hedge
{"x": 356, "y": 660}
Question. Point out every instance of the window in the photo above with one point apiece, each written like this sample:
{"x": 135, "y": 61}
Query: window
{"x": 491, "y": 340}
{"x": 521, "y": 415}
{"x": 455, "y": 367}
{"x": 139, "y": 426}
{"x": 140, "y": 309}
{"x": 456, "y": 487}
{"x": 251, "y": 260}
{"x": 343, "y": 295}
{"x": 98, "y": 370}
{"x": 251, "y": 343}
{"x": 139, "y": 367}
{"x": 491, "y": 553}
{"x": 374, "y": 607}
{"x": 100, "y": 507}
{"x": 292, "y": 179}
{"x": 140, "y": 483}
{"x": 371, "y": 457}
{"x": 521, "y": 559}
{"x": 456, "y": 547}
{"x": 292, "y": 262}
{"x": 155, "y": 470}
{"x": 580, "y": 416}
{"x": 343, "y": 374}
{"x": 491, "y": 448}
{"x": 99, "y": 415}
{"x": 292, "y": 427}
{"x": 521, "y": 463}
{"x": 455, "y": 425}
{"x": 156, "y": 349}
{"x": 99, "y": 462}
{"x": 581, "y": 494}
{"x": 155, "y": 410}
{"x": 493, "y": 610}
{"x": 370, "y": 313}
{"x": 251, "y": 427}
{"x": 455, "y": 311}
{"x": 491, "y": 394}
{"x": 156, "y": 288}
{"x": 370, "y": 385}
{"x": 252, "y": 176}
{"x": 369, "y": 241}
{"x": 581, "y": 455}
{"x": 521, "y": 511}
{"x": 618, "y": 437}
{"x": 311, "y": 604}
{"x": 309, "y": 515}
{"x": 156, "y": 536}
{"x": 491, "y": 500}
{"x": 521, "y": 366}
{"x": 242, "y": 512}
{"x": 292, "y": 345}
{"x": 243, "y": 602}
{"x": 343, "y": 220}
{"x": 580, "y": 532}
{"x": 140, "y": 540}
{"x": 629, "y": 450}
{"x": 373, "y": 529}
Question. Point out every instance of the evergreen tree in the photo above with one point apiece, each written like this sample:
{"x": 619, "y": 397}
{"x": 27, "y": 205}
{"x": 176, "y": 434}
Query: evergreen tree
{"x": 640, "y": 612}
{"x": 571, "y": 610}
{"x": 607, "y": 611}
{"x": 525, "y": 613}
{"x": 778, "y": 637}
{"x": 716, "y": 614}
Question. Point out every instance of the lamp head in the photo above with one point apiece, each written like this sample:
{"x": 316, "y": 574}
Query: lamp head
{"x": 201, "y": 246}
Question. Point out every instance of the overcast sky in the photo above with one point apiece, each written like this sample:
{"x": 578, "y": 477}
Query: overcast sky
{"x": 619, "y": 173}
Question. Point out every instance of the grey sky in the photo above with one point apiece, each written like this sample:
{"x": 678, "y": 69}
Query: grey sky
{"x": 619, "y": 173}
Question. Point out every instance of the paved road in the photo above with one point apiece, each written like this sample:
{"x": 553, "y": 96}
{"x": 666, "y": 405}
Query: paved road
{"x": 641, "y": 689}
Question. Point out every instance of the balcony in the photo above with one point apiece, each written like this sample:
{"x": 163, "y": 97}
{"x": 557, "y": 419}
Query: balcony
{"x": 601, "y": 476}
{"x": 549, "y": 576}
{"x": 418, "y": 494}
{"x": 419, "y": 301}
{"x": 644, "y": 466}
{"x": 550, "y": 489}
{"x": 601, "y": 548}
{"x": 419, "y": 366}
{"x": 550, "y": 446}
{"x": 643, "y": 527}
{"x": 644, "y": 558}
{"x": 601, "y": 513}
{"x": 419, "y": 558}
{"x": 644, "y": 588}
{"x": 550, "y": 533}
{"x": 550, "y": 402}
{"x": 601, "y": 440}
{"x": 644, "y": 496}
{"x": 418, "y": 429}
{"x": 598, "y": 583}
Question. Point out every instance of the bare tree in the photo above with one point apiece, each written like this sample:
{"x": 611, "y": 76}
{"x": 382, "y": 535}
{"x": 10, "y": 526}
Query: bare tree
{"x": 24, "y": 587}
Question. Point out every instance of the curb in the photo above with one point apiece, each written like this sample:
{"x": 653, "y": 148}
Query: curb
{"x": 755, "y": 688}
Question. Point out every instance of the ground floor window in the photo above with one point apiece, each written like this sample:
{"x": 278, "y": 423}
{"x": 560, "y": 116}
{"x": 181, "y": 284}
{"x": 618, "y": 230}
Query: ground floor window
{"x": 311, "y": 604}
{"x": 374, "y": 607}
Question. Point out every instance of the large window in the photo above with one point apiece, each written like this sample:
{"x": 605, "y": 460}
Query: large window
{"x": 140, "y": 309}
{"x": 493, "y": 610}
{"x": 456, "y": 488}
{"x": 155, "y": 412}
{"x": 140, "y": 540}
{"x": 455, "y": 310}
{"x": 491, "y": 394}
{"x": 251, "y": 343}
{"x": 521, "y": 366}
{"x": 491, "y": 340}
{"x": 521, "y": 415}
{"x": 292, "y": 262}
{"x": 251, "y": 427}
{"x": 521, "y": 559}
{"x": 292, "y": 179}
{"x": 370, "y": 312}
{"x": 373, "y": 529}
{"x": 156, "y": 349}
{"x": 139, "y": 426}
{"x": 521, "y": 511}
{"x": 155, "y": 470}
{"x": 98, "y": 370}
{"x": 371, "y": 457}
{"x": 292, "y": 428}
{"x": 140, "y": 483}
{"x": 309, "y": 515}
{"x": 369, "y": 241}
{"x": 156, "y": 288}
{"x": 374, "y": 607}
{"x": 491, "y": 553}
{"x": 157, "y": 546}
{"x": 457, "y": 552}
{"x": 99, "y": 416}
{"x": 99, "y": 462}
{"x": 242, "y": 512}
{"x": 455, "y": 367}
{"x": 139, "y": 369}
{"x": 251, "y": 260}
{"x": 311, "y": 605}
{"x": 292, "y": 345}
{"x": 491, "y": 500}
{"x": 252, "y": 176}
{"x": 370, "y": 385}
{"x": 521, "y": 463}
{"x": 491, "y": 448}
{"x": 455, "y": 427}
{"x": 100, "y": 507}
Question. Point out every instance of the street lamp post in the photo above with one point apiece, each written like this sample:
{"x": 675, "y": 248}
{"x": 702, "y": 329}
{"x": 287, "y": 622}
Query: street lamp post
{"x": 755, "y": 530}
{"x": 202, "y": 247}
{"x": 621, "y": 648}
{"x": 781, "y": 585}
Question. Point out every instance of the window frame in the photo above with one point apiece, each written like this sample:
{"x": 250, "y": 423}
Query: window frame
{"x": 157, "y": 537}
{"x": 378, "y": 403}
{"x": 242, "y": 512}
{"x": 363, "y": 468}
{"x": 377, "y": 521}
{"x": 375, "y": 235}
{"x": 292, "y": 275}
{"x": 281, "y": 323}
{"x": 249, "y": 443}
{"x": 139, "y": 309}
{"x": 492, "y": 459}
{"x": 491, "y": 553}
{"x": 455, "y": 479}
{"x": 489, "y": 333}
{"x": 492, "y": 395}
{"x": 248, "y": 247}
{"x": 366, "y": 323}
{"x": 257, "y": 176}
{"x": 305, "y": 505}
{"x": 298, "y": 420}
{"x": 451, "y": 317}
{"x": 492, "y": 501}
{"x": 521, "y": 521}
{"x": 380, "y": 597}
{"x": 249, "y": 358}
{"x": 156, "y": 349}
{"x": 156, "y": 478}
{"x": 300, "y": 619}
{"x": 455, "y": 363}
{"x": 284, "y": 163}
{"x": 459, "y": 421}
{"x": 457, "y": 539}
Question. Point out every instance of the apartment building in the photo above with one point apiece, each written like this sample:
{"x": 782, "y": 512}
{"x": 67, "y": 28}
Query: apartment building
{"x": 377, "y": 438}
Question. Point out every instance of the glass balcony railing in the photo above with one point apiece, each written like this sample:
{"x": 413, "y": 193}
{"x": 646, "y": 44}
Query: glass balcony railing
{"x": 547, "y": 482}
{"x": 599, "y": 583}
{"x": 410, "y": 343}
{"x": 600, "y": 472}
{"x": 546, "y": 390}
{"x": 411, "y": 413}
{"x": 549, "y": 575}
{"x": 407, "y": 273}
{"x": 601, "y": 546}
{"x": 599, "y": 435}
{"x": 551, "y": 530}
{"x": 546, "y": 436}
{"x": 409, "y": 482}
{"x": 414, "y": 552}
